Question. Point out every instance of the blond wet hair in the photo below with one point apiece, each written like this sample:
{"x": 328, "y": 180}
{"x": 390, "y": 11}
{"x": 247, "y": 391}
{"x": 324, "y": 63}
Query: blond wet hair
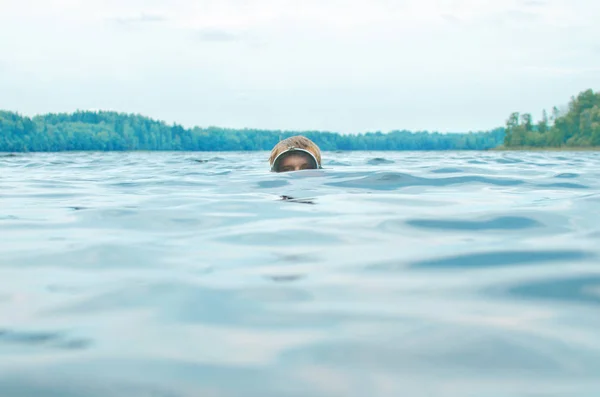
{"x": 295, "y": 142}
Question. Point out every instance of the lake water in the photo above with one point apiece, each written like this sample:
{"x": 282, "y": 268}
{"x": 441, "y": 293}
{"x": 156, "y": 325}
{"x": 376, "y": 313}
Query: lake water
{"x": 386, "y": 274}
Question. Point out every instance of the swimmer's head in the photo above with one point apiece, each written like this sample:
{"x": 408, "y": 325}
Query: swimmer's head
{"x": 294, "y": 154}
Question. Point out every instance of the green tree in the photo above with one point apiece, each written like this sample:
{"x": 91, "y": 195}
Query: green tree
{"x": 84, "y": 130}
{"x": 543, "y": 123}
{"x": 578, "y": 126}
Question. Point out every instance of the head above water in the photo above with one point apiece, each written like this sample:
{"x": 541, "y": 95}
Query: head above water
{"x": 294, "y": 154}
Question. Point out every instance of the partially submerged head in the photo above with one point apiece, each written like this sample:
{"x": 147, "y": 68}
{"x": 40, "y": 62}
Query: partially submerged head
{"x": 294, "y": 154}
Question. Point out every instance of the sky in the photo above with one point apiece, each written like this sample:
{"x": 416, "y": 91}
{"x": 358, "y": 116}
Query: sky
{"x": 347, "y": 66}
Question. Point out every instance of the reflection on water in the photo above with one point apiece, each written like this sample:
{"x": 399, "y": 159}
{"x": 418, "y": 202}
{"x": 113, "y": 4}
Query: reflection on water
{"x": 385, "y": 274}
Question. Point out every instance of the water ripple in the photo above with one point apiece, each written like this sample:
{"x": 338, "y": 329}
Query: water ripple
{"x": 584, "y": 289}
{"x": 43, "y": 339}
{"x": 396, "y": 180}
{"x": 500, "y": 223}
{"x": 380, "y": 161}
{"x": 505, "y": 258}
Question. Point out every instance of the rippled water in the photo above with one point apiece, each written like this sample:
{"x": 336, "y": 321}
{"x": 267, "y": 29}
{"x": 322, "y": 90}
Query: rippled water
{"x": 386, "y": 274}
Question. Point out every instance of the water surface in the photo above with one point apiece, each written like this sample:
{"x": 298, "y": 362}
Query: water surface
{"x": 385, "y": 274}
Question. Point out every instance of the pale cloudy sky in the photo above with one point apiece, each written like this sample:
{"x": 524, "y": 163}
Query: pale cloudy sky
{"x": 342, "y": 65}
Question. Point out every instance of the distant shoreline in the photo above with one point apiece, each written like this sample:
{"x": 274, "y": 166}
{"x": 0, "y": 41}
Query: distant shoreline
{"x": 547, "y": 149}
{"x": 498, "y": 149}
{"x": 112, "y": 131}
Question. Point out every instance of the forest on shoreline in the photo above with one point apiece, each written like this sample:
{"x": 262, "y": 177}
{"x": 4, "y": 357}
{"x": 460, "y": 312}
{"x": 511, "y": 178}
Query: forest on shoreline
{"x": 578, "y": 127}
{"x": 111, "y": 131}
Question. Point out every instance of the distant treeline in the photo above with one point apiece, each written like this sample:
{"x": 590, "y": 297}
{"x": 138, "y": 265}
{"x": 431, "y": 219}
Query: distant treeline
{"x": 578, "y": 126}
{"x": 103, "y": 131}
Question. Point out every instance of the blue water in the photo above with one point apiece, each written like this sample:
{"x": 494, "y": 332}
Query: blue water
{"x": 386, "y": 274}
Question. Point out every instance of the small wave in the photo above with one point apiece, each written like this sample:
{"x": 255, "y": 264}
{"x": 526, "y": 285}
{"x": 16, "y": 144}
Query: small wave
{"x": 105, "y": 256}
{"x": 46, "y": 339}
{"x": 580, "y": 289}
{"x": 508, "y": 161}
{"x": 567, "y": 175}
{"x": 380, "y": 161}
{"x": 396, "y": 180}
{"x": 447, "y": 171}
{"x": 335, "y": 163}
{"x": 504, "y": 258}
{"x": 500, "y": 223}
{"x": 53, "y": 382}
{"x": 287, "y": 278}
{"x": 300, "y": 238}
{"x": 272, "y": 183}
{"x": 565, "y": 185}
{"x": 158, "y": 183}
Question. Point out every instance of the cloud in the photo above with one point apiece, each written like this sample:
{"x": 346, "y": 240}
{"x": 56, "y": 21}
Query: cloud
{"x": 453, "y": 19}
{"x": 521, "y": 15}
{"x": 142, "y": 18}
{"x": 345, "y": 65}
{"x": 563, "y": 71}
{"x": 534, "y": 3}
{"x": 216, "y": 35}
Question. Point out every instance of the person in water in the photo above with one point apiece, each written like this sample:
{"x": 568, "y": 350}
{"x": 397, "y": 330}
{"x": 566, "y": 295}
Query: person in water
{"x": 294, "y": 154}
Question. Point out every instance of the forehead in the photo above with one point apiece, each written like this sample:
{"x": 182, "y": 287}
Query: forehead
{"x": 295, "y": 157}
